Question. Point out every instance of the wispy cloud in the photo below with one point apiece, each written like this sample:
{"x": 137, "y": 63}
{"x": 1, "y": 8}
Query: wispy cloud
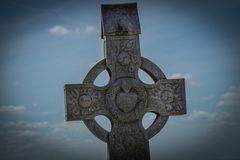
{"x": 13, "y": 109}
{"x": 181, "y": 75}
{"x": 62, "y": 30}
{"x": 56, "y": 138}
{"x": 24, "y": 124}
{"x": 27, "y": 133}
{"x": 14, "y": 135}
{"x": 230, "y": 98}
{"x": 186, "y": 76}
{"x": 214, "y": 119}
{"x": 38, "y": 132}
{"x": 59, "y": 30}
{"x": 55, "y": 127}
{"x": 90, "y": 29}
{"x": 200, "y": 114}
{"x": 43, "y": 128}
{"x": 203, "y": 98}
{"x": 222, "y": 115}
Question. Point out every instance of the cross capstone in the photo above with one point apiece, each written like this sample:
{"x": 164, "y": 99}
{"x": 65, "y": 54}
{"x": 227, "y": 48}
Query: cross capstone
{"x": 125, "y": 99}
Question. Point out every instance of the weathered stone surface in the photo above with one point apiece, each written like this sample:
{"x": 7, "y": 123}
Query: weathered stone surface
{"x": 84, "y": 101}
{"x": 120, "y": 19}
{"x": 126, "y": 98}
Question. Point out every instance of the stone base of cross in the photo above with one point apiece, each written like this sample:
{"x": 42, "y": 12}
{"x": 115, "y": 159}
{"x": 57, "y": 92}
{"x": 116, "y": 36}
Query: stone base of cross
{"x": 125, "y": 99}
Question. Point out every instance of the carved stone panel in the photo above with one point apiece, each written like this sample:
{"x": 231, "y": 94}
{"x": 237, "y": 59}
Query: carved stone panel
{"x": 167, "y": 97}
{"x": 123, "y": 56}
{"x": 126, "y": 100}
{"x": 83, "y": 101}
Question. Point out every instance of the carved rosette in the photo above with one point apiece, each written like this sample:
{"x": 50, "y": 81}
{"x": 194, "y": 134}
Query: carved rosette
{"x": 83, "y": 101}
{"x": 167, "y": 97}
{"x": 123, "y": 56}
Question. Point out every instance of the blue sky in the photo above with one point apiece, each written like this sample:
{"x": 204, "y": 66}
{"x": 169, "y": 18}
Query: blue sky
{"x": 45, "y": 45}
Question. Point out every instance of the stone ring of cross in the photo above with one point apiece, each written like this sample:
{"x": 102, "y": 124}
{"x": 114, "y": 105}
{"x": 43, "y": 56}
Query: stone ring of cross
{"x": 154, "y": 72}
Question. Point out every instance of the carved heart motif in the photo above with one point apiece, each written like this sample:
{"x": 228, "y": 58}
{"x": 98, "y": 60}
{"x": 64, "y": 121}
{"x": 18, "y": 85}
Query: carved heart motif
{"x": 126, "y": 101}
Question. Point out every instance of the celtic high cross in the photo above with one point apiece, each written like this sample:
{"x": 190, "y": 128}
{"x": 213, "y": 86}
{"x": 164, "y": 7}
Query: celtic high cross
{"x": 125, "y": 99}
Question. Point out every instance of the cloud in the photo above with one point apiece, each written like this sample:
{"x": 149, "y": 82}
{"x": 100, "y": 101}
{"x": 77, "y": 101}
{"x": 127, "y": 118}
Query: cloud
{"x": 26, "y": 133}
{"x": 213, "y": 120}
{"x": 60, "y": 140}
{"x": 42, "y": 128}
{"x": 61, "y": 30}
{"x": 34, "y": 104}
{"x": 200, "y": 114}
{"x": 60, "y": 136}
{"x": 24, "y": 124}
{"x": 53, "y": 127}
{"x": 225, "y": 113}
{"x": 14, "y": 135}
{"x": 13, "y": 109}
{"x": 90, "y": 29}
{"x": 181, "y": 75}
{"x": 231, "y": 98}
{"x": 203, "y": 98}
{"x": 186, "y": 76}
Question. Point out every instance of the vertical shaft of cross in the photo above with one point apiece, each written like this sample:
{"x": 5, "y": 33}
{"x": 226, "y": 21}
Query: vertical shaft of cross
{"x": 127, "y": 141}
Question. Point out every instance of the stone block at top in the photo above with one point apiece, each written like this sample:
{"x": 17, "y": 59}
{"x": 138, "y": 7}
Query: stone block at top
{"x": 120, "y": 20}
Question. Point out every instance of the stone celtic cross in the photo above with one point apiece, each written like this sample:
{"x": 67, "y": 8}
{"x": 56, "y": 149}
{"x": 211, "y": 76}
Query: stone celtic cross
{"x": 125, "y": 99}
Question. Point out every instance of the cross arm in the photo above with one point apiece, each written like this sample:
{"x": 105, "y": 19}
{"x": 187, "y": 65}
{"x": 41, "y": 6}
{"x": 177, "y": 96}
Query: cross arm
{"x": 167, "y": 97}
{"x": 83, "y": 101}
